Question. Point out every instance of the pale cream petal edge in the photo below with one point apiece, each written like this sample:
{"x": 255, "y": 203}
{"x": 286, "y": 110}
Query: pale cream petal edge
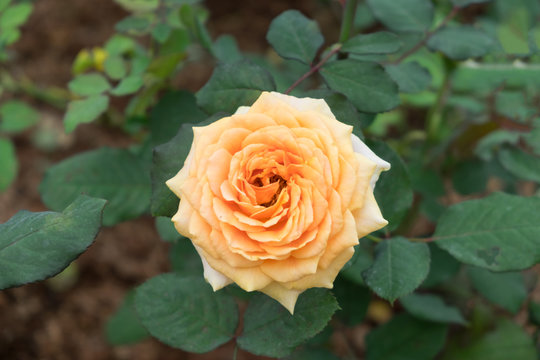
{"x": 362, "y": 149}
{"x": 216, "y": 279}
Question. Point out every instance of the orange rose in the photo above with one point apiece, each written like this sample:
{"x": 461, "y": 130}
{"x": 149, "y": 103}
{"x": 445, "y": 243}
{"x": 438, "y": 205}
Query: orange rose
{"x": 275, "y": 197}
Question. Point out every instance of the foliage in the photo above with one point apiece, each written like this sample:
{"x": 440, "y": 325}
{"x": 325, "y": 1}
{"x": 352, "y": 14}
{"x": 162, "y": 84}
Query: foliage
{"x": 448, "y": 92}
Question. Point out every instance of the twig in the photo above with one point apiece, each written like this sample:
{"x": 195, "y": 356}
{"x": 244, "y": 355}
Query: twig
{"x": 429, "y": 34}
{"x": 315, "y": 68}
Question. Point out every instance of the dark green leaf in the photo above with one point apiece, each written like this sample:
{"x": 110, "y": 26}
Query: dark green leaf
{"x": 84, "y": 111}
{"x": 16, "y": 116}
{"x": 361, "y": 260}
{"x": 128, "y": 85}
{"x": 353, "y": 301}
{"x": 464, "y": 3}
{"x": 490, "y": 142}
{"x": 523, "y": 165}
{"x": 506, "y": 289}
{"x": 366, "y": 84}
{"x": 499, "y": 232}
{"x": 507, "y": 341}
{"x": 393, "y": 190}
{"x": 513, "y": 104}
{"x": 124, "y": 327}
{"x": 443, "y": 267}
{"x": 270, "y": 330}
{"x": 112, "y": 174}
{"x": 409, "y": 15}
{"x": 411, "y": 77}
{"x": 173, "y": 109}
{"x": 185, "y": 313}
{"x": 15, "y": 16}
{"x": 294, "y": 36}
{"x": 470, "y": 177}
{"x": 400, "y": 266}
{"x": 34, "y": 246}
{"x": 487, "y": 77}
{"x": 382, "y": 42}
{"x": 233, "y": 85}
{"x": 226, "y": 49}
{"x": 312, "y": 354}
{"x": 405, "y": 338}
{"x": 8, "y": 163}
{"x": 534, "y": 313}
{"x": 166, "y": 229}
{"x": 89, "y": 84}
{"x": 161, "y": 32}
{"x": 342, "y": 109}
{"x": 431, "y": 308}
{"x": 460, "y": 43}
{"x": 185, "y": 259}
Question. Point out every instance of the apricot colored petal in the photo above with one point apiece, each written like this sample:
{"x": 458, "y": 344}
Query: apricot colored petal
{"x": 286, "y": 297}
{"x": 290, "y": 269}
{"x": 346, "y": 238}
{"x": 369, "y": 217}
{"x": 216, "y": 279}
{"x": 323, "y": 277}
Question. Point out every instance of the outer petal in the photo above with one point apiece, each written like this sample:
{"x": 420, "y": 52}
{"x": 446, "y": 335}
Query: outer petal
{"x": 216, "y": 279}
{"x": 362, "y": 148}
{"x": 286, "y": 297}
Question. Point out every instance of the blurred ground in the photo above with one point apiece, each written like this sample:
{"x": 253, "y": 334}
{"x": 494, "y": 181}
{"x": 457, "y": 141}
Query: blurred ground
{"x": 39, "y": 322}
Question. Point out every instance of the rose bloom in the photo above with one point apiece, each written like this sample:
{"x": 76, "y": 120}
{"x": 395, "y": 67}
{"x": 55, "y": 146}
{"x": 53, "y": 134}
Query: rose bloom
{"x": 275, "y": 197}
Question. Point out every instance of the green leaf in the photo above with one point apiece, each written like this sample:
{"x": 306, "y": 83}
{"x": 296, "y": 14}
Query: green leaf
{"x": 84, "y": 111}
{"x": 470, "y": 176}
{"x": 168, "y": 159}
{"x": 128, "y": 85}
{"x": 366, "y": 84}
{"x": 89, "y": 84}
{"x": 294, "y": 36}
{"x": 524, "y": 166}
{"x": 506, "y": 289}
{"x": 410, "y": 15}
{"x": 405, "y": 338}
{"x": 361, "y": 260}
{"x": 16, "y": 116}
{"x": 507, "y": 341}
{"x": 499, "y": 232}
{"x": 353, "y": 301}
{"x": 184, "y": 312}
{"x": 487, "y": 77}
{"x": 8, "y": 163}
{"x": 184, "y": 258}
{"x": 232, "y": 85}
{"x": 166, "y": 229}
{"x": 431, "y": 308}
{"x": 513, "y": 104}
{"x": 113, "y": 174}
{"x": 411, "y": 77}
{"x": 382, "y": 42}
{"x": 226, "y": 49}
{"x": 4, "y": 4}
{"x": 161, "y": 32}
{"x": 464, "y": 3}
{"x": 393, "y": 190}
{"x": 342, "y": 109}
{"x": 270, "y": 330}
{"x": 34, "y": 246}
{"x": 173, "y": 109}
{"x": 136, "y": 24}
{"x": 115, "y": 68}
{"x": 461, "y": 43}
{"x": 400, "y": 266}
{"x": 15, "y": 15}
{"x": 139, "y": 5}
{"x": 124, "y": 327}
{"x": 312, "y": 354}
{"x": 443, "y": 267}
{"x": 486, "y": 145}
{"x": 534, "y": 313}
{"x": 119, "y": 45}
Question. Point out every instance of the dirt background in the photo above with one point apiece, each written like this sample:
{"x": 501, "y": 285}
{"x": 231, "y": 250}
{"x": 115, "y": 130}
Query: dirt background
{"x": 43, "y": 321}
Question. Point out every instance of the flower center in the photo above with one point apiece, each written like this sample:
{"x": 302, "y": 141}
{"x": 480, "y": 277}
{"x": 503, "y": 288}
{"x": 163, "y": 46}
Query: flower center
{"x": 275, "y": 182}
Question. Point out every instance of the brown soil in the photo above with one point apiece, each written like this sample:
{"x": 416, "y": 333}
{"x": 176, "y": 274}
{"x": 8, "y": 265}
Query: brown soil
{"x": 38, "y": 320}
